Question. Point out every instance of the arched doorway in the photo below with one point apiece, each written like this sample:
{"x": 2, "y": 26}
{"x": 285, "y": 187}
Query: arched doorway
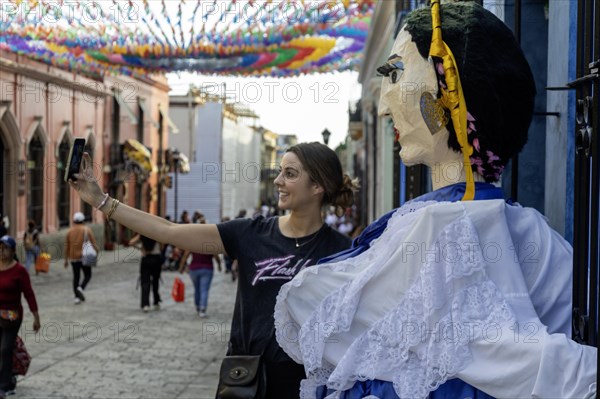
{"x": 35, "y": 192}
{"x": 10, "y": 187}
{"x": 63, "y": 204}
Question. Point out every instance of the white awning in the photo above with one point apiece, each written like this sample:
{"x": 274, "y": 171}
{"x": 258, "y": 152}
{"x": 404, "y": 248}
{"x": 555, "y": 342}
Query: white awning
{"x": 172, "y": 126}
{"x": 125, "y": 106}
{"x": 147, "y": 112}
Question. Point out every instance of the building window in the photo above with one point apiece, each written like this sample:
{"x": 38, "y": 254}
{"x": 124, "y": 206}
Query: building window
{"x": 116, "y": 121}
{"x": 86, "y": 208}
{"x": 35, "y": 166}
{"x": 140, "y": 125}
{"x": 115, "y": 152}
{"x": 63, "y": 205}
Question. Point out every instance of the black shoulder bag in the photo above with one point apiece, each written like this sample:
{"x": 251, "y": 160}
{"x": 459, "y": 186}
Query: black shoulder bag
{"x": 242, "y": 377}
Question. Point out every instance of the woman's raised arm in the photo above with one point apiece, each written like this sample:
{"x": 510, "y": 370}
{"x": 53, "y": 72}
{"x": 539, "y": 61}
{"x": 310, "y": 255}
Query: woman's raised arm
{"x": 199, "y": 238}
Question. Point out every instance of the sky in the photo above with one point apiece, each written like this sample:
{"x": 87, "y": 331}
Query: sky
{"x": 303, "y": 105}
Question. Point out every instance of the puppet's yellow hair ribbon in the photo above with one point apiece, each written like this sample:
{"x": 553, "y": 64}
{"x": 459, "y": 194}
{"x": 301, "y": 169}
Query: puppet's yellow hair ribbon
{"x": 452, "y": 97}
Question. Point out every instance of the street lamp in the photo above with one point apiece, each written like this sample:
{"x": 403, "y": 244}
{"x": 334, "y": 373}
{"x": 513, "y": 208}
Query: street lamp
{"x": 326, "y": 133}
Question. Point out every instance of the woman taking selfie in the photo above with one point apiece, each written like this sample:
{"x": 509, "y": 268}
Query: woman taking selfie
{"x": 269, "y": 251}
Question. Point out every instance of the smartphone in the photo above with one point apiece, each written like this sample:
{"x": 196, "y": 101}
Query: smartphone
{"x": 75, "y": 158}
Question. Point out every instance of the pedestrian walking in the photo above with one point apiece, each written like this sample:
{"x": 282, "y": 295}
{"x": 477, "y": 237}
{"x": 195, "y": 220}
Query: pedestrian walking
{"x": 197, "y": 216}
{"x": 185, "y": 217}
{"x": 201, "y": 270}
{"x": 74, "y": 240}
{"x": 31, "y": 242}
{"x": 150, "y": 268}
{"x": 170, "y": 254}
{"x": 14, "y": 282}
{"x": 269, "y": 251}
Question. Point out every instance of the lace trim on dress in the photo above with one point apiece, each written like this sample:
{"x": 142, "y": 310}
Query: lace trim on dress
{"x": 398, "y": 224}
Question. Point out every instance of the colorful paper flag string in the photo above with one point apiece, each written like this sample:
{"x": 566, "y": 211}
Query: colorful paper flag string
{"x": 219, "y": 37}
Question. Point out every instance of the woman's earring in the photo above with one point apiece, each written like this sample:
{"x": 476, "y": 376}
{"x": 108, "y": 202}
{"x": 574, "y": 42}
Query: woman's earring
{"x": 434, "y": 115}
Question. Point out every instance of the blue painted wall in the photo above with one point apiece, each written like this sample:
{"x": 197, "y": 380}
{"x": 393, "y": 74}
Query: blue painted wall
{"x": 534, "y": 41}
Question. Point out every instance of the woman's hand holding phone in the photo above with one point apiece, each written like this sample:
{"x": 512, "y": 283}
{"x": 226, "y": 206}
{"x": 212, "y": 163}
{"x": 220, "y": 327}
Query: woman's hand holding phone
{"x": 75, "y": 157}
{"x": 86, "y": 184}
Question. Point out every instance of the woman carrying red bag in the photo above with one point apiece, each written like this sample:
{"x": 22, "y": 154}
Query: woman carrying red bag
{"x": 14, "y": 282}
{"x": 201, "y": 273}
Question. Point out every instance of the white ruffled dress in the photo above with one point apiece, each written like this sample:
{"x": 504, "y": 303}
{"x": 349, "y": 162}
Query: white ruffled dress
{"x": 477, "y": 290}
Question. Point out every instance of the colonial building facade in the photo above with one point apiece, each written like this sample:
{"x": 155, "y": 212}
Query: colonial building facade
{"x": 42, "y": 110}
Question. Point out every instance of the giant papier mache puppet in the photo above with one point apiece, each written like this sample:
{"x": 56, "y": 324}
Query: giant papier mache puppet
{"x": 458, "y": 293}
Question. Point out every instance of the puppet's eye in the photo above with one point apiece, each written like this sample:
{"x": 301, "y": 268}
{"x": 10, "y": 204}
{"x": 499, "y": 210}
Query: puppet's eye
{"x": 393, "y": 70}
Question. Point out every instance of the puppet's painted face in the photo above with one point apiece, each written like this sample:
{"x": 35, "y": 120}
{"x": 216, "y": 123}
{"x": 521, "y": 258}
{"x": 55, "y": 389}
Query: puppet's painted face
{"x": 408, "y": 93}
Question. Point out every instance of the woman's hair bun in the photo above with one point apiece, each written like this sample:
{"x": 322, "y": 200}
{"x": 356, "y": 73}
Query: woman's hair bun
{"x": 344, "y": 198}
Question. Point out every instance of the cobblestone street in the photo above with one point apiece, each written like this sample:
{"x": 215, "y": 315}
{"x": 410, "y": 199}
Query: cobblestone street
{"x": 108, "y": 348}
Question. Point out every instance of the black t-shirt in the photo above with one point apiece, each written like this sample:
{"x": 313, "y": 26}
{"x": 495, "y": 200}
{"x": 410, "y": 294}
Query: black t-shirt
{"x": 266, "y": 260}
{"x": 147, "y": 243}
